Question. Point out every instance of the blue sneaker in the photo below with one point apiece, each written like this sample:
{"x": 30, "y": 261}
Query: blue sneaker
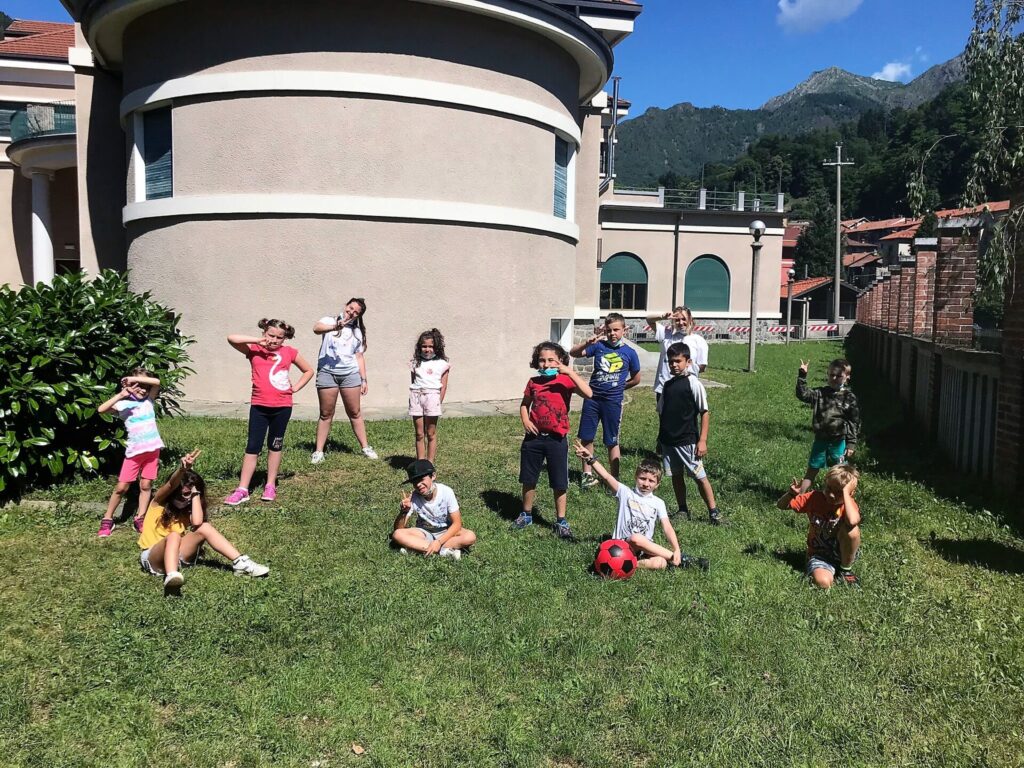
{"x": 563, "y": 531}
{"x": 522, "y": 521}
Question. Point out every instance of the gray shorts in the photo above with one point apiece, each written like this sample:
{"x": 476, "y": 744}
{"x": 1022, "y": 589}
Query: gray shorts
{"x": 157, "y": 570}
{"x": 679, "y": 458}
{"x": 431, "y": 535}
{"x": 328, "y": 380}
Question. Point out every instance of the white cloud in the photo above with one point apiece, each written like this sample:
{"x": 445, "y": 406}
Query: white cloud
{"x": 894, "y": 71}
{"x": 921, "y": 53}
{"x": 800, "y": 16}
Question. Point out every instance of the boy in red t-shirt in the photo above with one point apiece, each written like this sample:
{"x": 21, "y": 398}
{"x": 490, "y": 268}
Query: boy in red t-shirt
{"x": 833, "y": 532}
{"x": 545, "y": 415}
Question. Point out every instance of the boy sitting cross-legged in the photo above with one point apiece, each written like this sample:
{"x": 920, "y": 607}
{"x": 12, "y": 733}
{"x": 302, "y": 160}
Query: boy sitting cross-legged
{"x": 639, "y": 508}
{"x": 438, "y": 528}
{"x": 683, "y": 431}
{"x": 833, "y": 532}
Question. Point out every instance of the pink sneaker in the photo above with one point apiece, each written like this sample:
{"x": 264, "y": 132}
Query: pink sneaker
{"x": 137, "y": 522}
{"x": 238, "y": 496}
{"x": 269, "y": 493}
{"x": 106, "y": 528}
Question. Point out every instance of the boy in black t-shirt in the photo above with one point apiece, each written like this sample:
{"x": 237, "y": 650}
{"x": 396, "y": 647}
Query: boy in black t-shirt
{"x": 684, "y": 406}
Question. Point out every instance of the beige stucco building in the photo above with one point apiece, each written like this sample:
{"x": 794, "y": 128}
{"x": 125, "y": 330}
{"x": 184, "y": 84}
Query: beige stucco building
{"x": 441, "y": 158}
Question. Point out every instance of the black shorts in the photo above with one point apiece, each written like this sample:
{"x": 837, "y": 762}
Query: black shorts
{"x": 538, "y": 448}
{"x": 266, "y": 423}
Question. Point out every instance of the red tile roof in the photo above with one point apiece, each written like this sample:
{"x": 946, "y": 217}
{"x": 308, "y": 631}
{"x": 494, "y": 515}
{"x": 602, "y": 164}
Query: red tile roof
{"x": 793, "y": 232}
{"x": 866, "y": 226}
{"x": 21, "y": 27}
{"x": 996, "y": 207}
{"x": 859, "y": 259}
{"x": 49, "y": 46}
{"x": 904, "y": 234}
{"x": 801, "y": 287}
{"x": 859, "y": 244}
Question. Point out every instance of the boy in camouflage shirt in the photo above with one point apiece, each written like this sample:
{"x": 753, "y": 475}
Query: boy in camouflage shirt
{"x": 835, "y": 419}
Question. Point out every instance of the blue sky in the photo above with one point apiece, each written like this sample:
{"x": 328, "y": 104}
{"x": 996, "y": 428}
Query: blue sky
{"x": 740, "y": 53}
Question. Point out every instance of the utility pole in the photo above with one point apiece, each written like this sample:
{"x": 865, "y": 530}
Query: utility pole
{"x": 838, "y": 165}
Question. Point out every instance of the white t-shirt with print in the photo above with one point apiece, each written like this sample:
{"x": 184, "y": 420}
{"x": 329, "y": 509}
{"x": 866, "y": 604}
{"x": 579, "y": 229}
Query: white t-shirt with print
{"x": 435, "y": 513}
{"x": 637, "y": 514}
{"x": 427, "y": 374}
{"x": 338, "y": 351}
{"x": 666, "y": 337}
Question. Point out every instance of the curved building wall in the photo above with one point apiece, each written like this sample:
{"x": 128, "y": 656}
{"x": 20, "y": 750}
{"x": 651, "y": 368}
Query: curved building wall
{"x": 434, "y": 202}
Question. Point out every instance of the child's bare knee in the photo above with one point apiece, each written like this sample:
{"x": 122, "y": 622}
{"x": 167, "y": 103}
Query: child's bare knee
{"x": 822, "y": 578}
{"x": 122, "y": 488}
{"x": 326, "y": 415}
{"x": 145, "y": 485}
{"x": 636, "y": 540}
{"x": 468, "y": 538}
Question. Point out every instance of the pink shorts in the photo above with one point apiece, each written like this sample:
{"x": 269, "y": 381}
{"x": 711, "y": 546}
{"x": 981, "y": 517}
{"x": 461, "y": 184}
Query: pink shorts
{"x": 145, "y": 463}
{"x": 424, "y": 402}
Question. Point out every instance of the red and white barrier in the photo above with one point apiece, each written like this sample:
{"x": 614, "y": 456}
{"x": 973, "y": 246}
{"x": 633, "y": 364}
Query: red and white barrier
{"x": 822, "y": 328}
{"x": 703, "y": 328}
{"x": 739, "y": 329}
{"x": 779, "y": 328}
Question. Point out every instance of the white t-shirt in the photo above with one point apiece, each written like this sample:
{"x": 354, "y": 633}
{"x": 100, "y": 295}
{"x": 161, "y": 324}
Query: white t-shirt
{"x": 637, "y": 514}
{"x": 435, "y": 514}
{"x": 338, "y": 351}
{"x": 427, "y": 375}
{"x": 666, "y": 337}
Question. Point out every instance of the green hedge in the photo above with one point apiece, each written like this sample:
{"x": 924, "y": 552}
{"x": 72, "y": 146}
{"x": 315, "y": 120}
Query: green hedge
{"x": 63, "y": 349}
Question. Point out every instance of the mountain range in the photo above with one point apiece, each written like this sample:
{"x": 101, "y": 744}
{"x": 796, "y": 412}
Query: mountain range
{"x": 683, "y": 137}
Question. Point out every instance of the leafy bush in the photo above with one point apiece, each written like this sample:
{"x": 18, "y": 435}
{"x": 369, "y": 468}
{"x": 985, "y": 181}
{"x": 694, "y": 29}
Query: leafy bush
{"x": 63, "y": 349}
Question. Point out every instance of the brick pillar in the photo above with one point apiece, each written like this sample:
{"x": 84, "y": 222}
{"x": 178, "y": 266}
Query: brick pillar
{"x": 955, "y": 280}
{"x": 893, "y": 310}
{"x": 1009, "y": 458}
{"x": 883, "y": 300}
{"x": 906, "y": 320}
{"x": 924, "y": 294}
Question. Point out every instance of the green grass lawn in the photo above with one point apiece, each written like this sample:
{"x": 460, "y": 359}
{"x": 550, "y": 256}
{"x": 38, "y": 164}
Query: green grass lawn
{"x": 517, "y": 656}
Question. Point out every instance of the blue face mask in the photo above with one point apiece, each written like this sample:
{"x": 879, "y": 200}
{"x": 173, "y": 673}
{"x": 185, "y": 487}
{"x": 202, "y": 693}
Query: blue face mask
{"x": 548, "y": 371}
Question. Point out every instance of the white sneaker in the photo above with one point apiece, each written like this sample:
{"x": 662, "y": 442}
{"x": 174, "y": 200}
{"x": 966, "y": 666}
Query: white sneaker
{"x": 403, "y": 551}
{"x": 243, "y": 566}
{"x": 454, "y": 554}
{"x": 174, "y": 579}
{"x": 369, "y": 453}
{"x": 316, "y": 457}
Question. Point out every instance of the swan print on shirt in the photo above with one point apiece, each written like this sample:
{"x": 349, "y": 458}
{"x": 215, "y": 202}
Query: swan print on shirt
{"x": 271, "y": 383}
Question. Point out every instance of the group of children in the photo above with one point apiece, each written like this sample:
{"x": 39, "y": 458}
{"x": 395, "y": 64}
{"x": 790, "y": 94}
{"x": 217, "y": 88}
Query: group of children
{"x": 173, "y": 525}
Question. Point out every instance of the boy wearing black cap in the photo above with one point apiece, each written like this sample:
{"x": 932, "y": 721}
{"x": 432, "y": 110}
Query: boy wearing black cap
{"x": 438, "y": 529}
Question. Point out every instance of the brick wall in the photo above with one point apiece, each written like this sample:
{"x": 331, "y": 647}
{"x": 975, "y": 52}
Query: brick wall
{"x": 1010, "y": 411}
{"x": 924, "y": 295}
{"x": 955, "y": 282}
{"x": 906, "y": 299}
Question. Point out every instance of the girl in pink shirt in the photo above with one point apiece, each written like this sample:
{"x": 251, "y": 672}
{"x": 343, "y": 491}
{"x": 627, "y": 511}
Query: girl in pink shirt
{"x": 429, "y": 382}
{"x": 271, "y": 407}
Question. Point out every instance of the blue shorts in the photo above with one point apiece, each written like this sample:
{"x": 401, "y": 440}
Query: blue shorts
{"x": 608, "y": 413}
{"x": 825, "y": 452}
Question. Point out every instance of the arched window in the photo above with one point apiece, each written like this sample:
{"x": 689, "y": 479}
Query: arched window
{"x": 706, "y": 285}
{"x": 624, "y": 283}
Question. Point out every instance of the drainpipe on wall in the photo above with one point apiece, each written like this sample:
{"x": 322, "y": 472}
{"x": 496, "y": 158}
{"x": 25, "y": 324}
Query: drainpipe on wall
{"x": 614, "y": 132}
{"x": 675, "y": 260}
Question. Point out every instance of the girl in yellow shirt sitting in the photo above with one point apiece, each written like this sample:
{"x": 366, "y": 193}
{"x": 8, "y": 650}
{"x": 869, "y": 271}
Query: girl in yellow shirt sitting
{"x": 175, "y": 529}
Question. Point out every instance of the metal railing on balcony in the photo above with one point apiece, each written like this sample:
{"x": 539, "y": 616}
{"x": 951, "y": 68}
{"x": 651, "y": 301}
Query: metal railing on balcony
{"x": 697, "y": 199}
{"x": 34, "y": 120}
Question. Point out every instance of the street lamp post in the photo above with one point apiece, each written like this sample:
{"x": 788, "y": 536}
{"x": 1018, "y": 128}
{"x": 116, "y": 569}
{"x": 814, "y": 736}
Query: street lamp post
{"x": 756, "y": 229}
{"x": 791, "y": 274}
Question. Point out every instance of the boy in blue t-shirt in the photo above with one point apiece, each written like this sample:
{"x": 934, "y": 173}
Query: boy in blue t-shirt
{"x": 616, "y": 369}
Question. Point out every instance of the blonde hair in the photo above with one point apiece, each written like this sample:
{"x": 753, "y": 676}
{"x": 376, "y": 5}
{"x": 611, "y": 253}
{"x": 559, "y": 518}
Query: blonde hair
{"x": 839, "y": 476}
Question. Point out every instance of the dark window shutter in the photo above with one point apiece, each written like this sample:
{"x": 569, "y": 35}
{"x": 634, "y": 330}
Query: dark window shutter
{"x": 157, "y": 155}
{"x": 707, "y": 285}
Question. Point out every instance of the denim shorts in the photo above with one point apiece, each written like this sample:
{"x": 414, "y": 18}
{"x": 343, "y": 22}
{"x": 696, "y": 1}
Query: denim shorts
{"x": 830, "y": 564}
{"x": 157, "y": 570}
{"x": 606, "y": 412}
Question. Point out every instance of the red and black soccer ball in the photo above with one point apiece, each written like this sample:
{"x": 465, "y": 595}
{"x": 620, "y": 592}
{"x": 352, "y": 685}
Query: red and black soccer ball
{"x": 615, "y": 560}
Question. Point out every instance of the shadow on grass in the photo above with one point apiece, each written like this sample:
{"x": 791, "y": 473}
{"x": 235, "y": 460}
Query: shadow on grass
{"x": 794, "y": 558}
{"x": 400, "y": 462}
{"x": 506, "y": 505}
{"x": 983, "y": 553}
{"x": 332, "y": 446}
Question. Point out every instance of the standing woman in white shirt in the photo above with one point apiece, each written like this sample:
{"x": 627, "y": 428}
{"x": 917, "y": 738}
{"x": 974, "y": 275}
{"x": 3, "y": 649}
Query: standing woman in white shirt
{"x": 679, "y": 330}
{"x": 341, "y": 369}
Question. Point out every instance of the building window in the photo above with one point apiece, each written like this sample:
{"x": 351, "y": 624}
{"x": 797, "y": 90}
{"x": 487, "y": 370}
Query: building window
{"x": 563, "y": 178}
{"x": 624, "y": 283}
{"x": 706, "y": 285}
{"x": 156, "y": 153}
